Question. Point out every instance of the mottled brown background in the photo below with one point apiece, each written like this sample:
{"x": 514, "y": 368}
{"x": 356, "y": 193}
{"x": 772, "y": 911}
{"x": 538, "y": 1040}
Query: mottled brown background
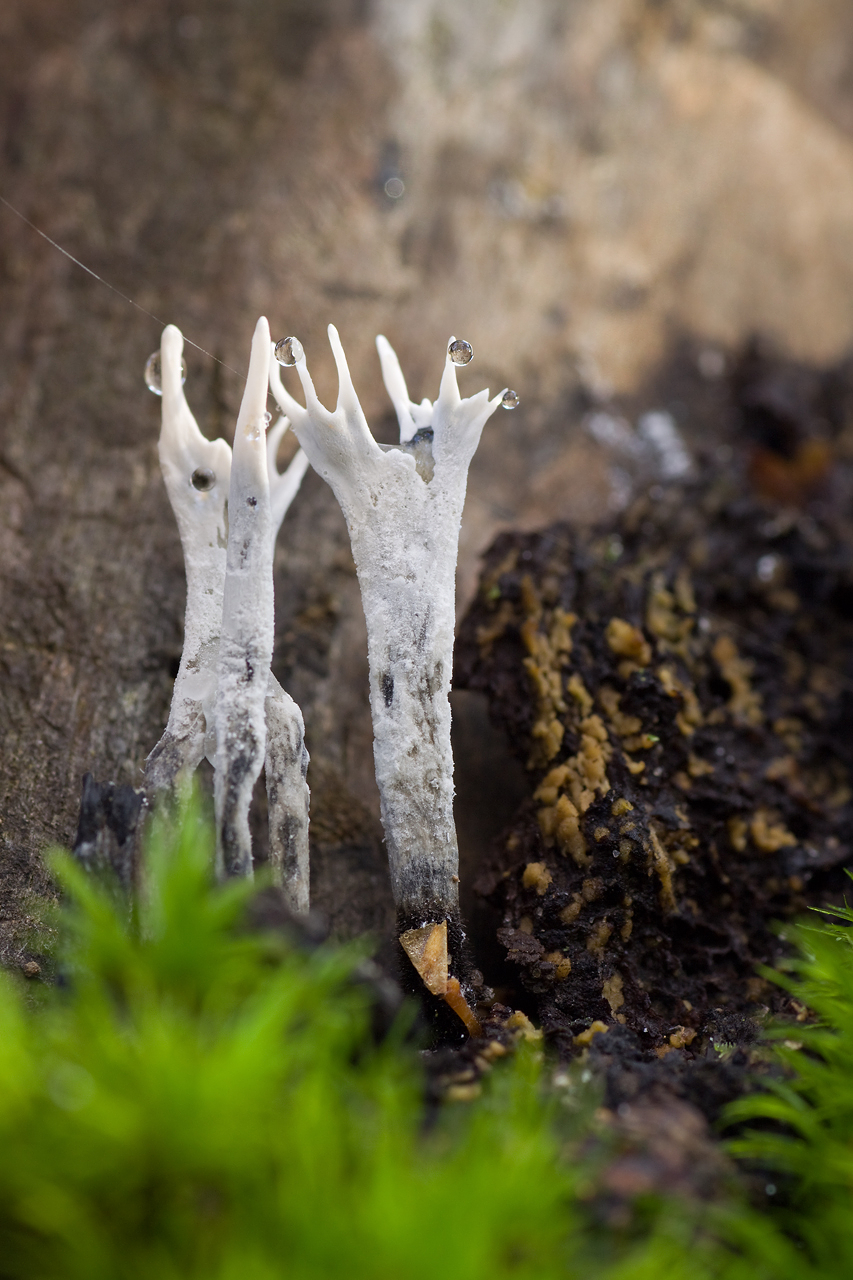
{"x": 585, "y": 183}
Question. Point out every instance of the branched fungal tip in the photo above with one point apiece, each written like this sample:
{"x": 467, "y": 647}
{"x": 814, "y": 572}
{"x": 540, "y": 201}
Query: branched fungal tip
{"x": 403, "y": 506}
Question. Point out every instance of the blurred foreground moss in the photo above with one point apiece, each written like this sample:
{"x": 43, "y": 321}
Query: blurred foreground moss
{"x": 803, "y": 1142}
{"x": 193, "y": 1098}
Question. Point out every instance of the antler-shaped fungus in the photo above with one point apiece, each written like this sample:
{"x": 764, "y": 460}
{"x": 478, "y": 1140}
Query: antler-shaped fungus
{"x": 403, "y": 507}
{"x": 226, "y": 704}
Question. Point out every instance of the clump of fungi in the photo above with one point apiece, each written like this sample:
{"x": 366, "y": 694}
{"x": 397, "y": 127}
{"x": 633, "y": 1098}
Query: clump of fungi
{"x": 226, "y": 703}
{"x": 403, "y": 507}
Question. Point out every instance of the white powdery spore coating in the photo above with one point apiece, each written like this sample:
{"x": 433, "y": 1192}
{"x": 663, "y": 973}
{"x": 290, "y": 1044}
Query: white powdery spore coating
{"x": 404, "y": 530}
{"x": 229, "y": 669}
{"x": 287, "y": 796}
{"x": 246, "y": 638}
{"x": 202, "y": 524}
{"x": 405, "y": 553}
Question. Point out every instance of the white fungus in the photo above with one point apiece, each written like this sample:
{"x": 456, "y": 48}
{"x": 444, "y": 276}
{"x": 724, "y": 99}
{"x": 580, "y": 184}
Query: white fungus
{"x": 226, "y": 704}
{"x": 403, "y": 506}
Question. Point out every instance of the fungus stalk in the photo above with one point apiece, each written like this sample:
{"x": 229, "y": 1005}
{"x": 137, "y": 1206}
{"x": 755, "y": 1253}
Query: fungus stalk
{"x": 197, "y": 473}
{"x": 226, "y": 704}
{"x": 246, "y": 638}
{"x": 403, "y": 507}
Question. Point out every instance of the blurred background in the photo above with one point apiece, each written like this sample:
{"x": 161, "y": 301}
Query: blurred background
{"x": 610, "y": 201}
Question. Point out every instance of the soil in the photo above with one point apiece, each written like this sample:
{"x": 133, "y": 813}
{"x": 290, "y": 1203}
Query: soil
{"x": 677, "y": 682}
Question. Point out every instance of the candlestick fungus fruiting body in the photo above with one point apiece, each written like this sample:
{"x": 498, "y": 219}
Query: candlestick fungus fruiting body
{"x": 246, "y": 637}
{"x": 403, "y": 506}
{"x": 202, "y": 519}
{"x": 226, "y": 704}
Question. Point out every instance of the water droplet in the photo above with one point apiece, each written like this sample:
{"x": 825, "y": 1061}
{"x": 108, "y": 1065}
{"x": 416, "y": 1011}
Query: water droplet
{"x": 203, "y": 479}
{"x": 460, "y": 351}
{"x": 267, "y": 417}
{"x": 153, "y": 378}
{"x": 288, "y": 351}
{"x": 510, "y": 399}
{"x": 394, "y": 188}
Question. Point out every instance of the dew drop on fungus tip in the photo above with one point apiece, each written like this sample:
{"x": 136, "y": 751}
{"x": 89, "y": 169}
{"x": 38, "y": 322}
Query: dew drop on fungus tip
{"x": 153, "y": 376}
{"x": 510, "y": 399}
{"x": 460, "y": 351}
{"x": 288, "y": 351}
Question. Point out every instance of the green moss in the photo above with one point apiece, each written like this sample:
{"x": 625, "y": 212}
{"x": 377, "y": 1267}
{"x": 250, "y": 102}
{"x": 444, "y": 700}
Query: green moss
{"x": 195, "y": 1099}
{"x": 804, "y": 1145}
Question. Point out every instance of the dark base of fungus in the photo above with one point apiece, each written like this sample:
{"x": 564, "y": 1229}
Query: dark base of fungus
{"x": 445, "y": 1026}
{"x": 108, "y": 829}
